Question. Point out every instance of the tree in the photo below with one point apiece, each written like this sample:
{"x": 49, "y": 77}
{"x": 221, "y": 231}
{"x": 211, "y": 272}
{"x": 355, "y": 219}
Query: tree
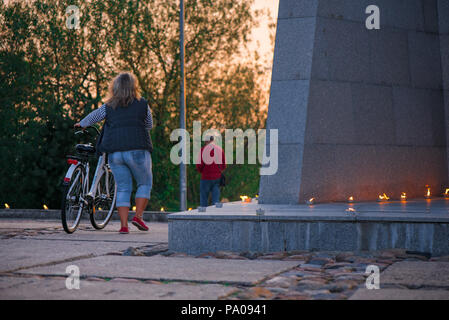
{"x": 51, "y": 76}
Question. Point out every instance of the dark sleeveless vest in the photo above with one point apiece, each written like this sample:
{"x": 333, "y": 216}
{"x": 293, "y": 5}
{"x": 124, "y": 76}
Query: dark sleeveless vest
{"x": 125, "y": 129}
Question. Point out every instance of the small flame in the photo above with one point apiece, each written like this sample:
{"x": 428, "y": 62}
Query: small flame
{"x": 45, "y": 207}
{"x": 245, "y": 198}
{"x": 162, "y": 209}
{"x": 257, "y": 196}
{"x": 383, "y": 197}
{"x": 99, "y": 209}
{"x": 311, "y": 201}
{"x": 351, "y": 199}
{"x": 134, "y": 208}
{"x": 403, "y": 196}
{"x": 428, "y": 194}
{"x": 6, "y": 206}
{"x": 190, "y": 209}
{"x": 446, "y": 193}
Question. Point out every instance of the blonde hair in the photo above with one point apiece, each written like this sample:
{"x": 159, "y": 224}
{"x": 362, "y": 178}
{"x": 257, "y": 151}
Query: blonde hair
{"x": 123, "y": 89}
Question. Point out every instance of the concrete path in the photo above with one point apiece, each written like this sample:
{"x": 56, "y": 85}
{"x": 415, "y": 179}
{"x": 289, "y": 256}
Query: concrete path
{"x": 35, "y": 254}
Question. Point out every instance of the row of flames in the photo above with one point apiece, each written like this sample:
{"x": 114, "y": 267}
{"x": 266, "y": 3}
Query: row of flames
{"x": 383, "y": 197}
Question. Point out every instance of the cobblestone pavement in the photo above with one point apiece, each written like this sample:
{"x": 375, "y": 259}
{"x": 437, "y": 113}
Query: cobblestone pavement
{"x": 32, "y": 250}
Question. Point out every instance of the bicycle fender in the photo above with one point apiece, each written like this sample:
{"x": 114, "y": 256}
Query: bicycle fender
{"x": 69, "y": 174}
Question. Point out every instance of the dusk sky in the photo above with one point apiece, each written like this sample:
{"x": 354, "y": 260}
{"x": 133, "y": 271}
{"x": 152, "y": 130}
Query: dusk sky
{"x": 261, "y": 34}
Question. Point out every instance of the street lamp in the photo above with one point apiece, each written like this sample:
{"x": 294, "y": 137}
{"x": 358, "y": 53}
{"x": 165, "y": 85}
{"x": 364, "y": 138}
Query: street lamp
{"x": 182, "y": 113}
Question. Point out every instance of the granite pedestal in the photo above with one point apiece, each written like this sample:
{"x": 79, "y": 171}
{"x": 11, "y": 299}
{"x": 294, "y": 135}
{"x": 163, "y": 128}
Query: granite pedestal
{"x": 419, "y": 225}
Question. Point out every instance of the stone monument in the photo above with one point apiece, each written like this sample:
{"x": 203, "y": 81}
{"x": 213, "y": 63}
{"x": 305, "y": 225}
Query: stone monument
{"x": 360, "y": 112}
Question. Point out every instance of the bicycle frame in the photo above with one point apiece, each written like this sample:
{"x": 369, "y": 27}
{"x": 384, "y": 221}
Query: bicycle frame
{"x": 101, "y": 165}
{"x": 90, "y": 190}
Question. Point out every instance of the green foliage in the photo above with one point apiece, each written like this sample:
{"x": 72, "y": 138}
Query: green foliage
{"x": 52, "y": 76}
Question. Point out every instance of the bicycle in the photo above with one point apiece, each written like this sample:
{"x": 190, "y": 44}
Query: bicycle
{"x": 78, "y": 195}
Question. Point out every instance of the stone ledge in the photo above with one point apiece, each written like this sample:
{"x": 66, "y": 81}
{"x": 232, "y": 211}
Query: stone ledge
{"x": 154, "y": 216}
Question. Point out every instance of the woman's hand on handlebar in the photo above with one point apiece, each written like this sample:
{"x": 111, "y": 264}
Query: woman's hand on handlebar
{"x": 77, "y": 125}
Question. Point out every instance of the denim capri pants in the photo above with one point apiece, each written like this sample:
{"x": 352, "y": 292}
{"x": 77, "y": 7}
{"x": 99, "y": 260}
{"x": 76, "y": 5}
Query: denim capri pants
{"x": 128, "y": 164}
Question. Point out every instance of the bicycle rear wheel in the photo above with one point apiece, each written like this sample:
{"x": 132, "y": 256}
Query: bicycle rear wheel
{"x": 72, "y": 206}
{"x": 104, "y": 202}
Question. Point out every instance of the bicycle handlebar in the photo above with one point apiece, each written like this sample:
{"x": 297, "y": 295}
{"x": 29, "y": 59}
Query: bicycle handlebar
{"x": 84, "y": 130}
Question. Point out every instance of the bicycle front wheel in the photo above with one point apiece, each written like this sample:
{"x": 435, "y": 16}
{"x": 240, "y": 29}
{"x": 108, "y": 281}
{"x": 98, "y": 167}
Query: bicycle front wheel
{"x": 104, "y": 202}
{"x": 72, "y": 206}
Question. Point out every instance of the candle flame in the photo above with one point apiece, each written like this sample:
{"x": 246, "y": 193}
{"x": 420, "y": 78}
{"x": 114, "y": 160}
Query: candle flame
{"x": 311, "y": 201}
{"x": 6, "y": 206}
{"x": 403, "y": 196}
{"x": 162, "y": 209}
{"x": 100, "y": 209}
{"x": 190, "y": 209}
{"x": 45, "y": 207}
{"x": 245, "y": 198}
{"x": 383, "y": 197}
{"x": 134, "y": 208}
{"x": 446, "y": 193}
{"x": 428, "y": 194}
{"x": 351, "y": 198}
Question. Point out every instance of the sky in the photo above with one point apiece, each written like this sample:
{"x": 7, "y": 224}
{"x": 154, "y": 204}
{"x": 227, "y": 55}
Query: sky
{"x": 261, "y": 34}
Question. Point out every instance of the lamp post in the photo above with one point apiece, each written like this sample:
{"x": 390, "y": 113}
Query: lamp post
{"x": 182, "y": 113}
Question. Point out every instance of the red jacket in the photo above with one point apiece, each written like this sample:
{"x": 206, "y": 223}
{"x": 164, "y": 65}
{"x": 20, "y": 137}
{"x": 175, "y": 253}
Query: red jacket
{"x": 213, "y": 170}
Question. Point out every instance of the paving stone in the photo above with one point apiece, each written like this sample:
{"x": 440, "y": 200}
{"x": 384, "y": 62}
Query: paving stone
{"x": 342, "y": 285}
{"x": 274, "y": 256}
{"x": 292, "y": 296}
{"x": 132, "y": 252}
{"x": 310, "y": 267}
{"x": 156, "y": 249}
{"x": 282, "y": 282}
{"x": 316, "y": 294}
{"x": 158, "y": 234}
{"x": 310, "y": 285}
{"x": 299, "y": 257}
{"x": 229, "y": 255}
{"x": 51, "y": 289}
{"x": 337, "y": 265}
{"x": 250, "y": 255}
{"x": 417, "y": 274}
{"x": 256, "y": 293}
{"x": 173, "y": 268}
{"x": 19, "y": 253}
{"x": 351, "y": 276}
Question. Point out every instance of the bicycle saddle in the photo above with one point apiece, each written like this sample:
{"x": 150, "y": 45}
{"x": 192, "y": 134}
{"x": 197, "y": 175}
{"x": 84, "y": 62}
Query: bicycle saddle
{"x": 85, "y": 148}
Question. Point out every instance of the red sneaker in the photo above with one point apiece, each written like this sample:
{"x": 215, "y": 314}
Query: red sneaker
{"x": 139, "y": 224}
{"x": 124, "y": 230}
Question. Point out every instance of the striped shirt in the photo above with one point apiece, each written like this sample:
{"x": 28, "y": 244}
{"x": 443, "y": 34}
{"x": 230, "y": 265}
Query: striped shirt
{"x": 100, "y": 114}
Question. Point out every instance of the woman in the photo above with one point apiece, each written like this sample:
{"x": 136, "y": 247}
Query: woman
{"x": 127, "y": 141}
